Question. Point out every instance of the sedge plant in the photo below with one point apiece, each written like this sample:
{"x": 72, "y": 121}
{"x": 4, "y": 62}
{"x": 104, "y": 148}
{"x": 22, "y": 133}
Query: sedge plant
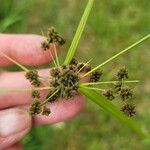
{"x": 65, "y": 80}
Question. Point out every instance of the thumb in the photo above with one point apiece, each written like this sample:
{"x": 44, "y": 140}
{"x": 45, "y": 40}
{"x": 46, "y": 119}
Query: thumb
{"x": 15, "y": 123}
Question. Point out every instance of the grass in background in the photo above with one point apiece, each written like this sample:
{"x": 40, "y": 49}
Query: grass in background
{"x": 11, "y": 13}
{"x": 112, "y": 26}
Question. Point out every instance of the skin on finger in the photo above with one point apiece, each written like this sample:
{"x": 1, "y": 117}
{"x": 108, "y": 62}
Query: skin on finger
{"x": 12, "y": 80}
{"x": 5, "y": 143}
{"x": 25, "y": 49}
{"x": 15, "y": 123}
{"x": 14, "y": 120}
{"x": 61, "y": 110}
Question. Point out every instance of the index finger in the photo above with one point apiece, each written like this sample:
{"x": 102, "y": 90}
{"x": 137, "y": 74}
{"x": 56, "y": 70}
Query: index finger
{"x": 24, "y": 48}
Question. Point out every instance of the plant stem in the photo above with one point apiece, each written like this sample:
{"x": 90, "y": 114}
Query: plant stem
{"x": 44, "y": 77}
{"x": 24, "y": 90}
{"x": 52, "y": 58}
{"x": 49, "y": 50}
{"x": 13, "y": 61}
{"x": 44, "y": 102}
{"x": 56, "y": 56}
{"x": 118, "y": 54}
{"x": 109, "y": 82}
{"x": 84, "y": 66}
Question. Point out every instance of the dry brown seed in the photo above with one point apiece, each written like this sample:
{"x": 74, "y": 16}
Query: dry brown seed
{"x": 109, "y": 94}
{"x": 126, "y": 93}
{"x": 35, "y": 108}
{"x": 46, "y": 111}
{"x": 95, "y": 76}
{"x": 122, "y": 73}
{"x": 129, "y": 110}
{"x": 35, "y": 94}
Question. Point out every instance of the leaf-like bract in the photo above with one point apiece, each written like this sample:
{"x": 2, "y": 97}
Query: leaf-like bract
{"x": 112, "y": 109}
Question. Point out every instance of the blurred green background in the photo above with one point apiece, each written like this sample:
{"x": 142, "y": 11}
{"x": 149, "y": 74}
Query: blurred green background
{"x": 112, "y": 26}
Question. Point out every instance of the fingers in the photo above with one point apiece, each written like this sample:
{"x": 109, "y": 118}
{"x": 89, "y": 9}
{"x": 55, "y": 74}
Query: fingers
{"x": 13, "y": 80}
{"x": 25, "y": 49}
{"x": 15, "y": 123}
{"x": 61, "y": 110}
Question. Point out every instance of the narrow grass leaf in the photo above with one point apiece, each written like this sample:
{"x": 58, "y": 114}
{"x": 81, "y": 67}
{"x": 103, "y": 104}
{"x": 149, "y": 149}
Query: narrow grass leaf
{"x": 112, "y": 109}
{"x": 79, "y": 32}
{"x": 118, "y": 54}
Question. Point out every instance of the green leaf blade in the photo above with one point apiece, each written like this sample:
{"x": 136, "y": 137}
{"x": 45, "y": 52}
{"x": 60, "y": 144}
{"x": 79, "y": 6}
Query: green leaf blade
{"x": 118, "y": 54}
{"x": 79, "y": 32}
{"x": 112, "y": 109}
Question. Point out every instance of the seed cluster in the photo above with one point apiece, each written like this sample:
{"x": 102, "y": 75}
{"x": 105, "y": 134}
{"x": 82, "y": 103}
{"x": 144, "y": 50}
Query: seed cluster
{"x": 109, "y": 94}
{"x": 36, "y": 108}
{"x": 46, "y": 111}
{"x": 126, "y": 93}
{"x": 129, "y": 109}
{"x": 122, "y": 91}
{"x": 66, "y": 78}
{"x": 35, "y": 94}
{"x": 38, "y": 105}
{"x": 64, "y": 81}
{"x": 52, "y": 37}
{"x": 122, "y": 73}
{"x": 95, "y": 76}
{"x": 117, "y": 87}
{"x": 33, "y": 77}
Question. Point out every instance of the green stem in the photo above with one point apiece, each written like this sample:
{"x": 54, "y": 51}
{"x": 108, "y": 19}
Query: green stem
{"x": 84, "y": 66}
{"x": 13, "y": 61}
{"x": 52, "y": 58}
{"x": 44, "y": 77}
{"x": 109, "y": 82}
{"x": 56, "y": 56}
{"x": 25, "y": 90}
{"x": 118, "y": 54}
{"x": 46, "y": 101}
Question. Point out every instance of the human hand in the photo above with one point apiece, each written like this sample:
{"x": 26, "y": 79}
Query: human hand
{"x": 15, "y": 121}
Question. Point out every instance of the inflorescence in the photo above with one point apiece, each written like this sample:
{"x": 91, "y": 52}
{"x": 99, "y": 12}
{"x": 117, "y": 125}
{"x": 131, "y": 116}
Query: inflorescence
{"x": 52, "y": 37}
{"x": 120, "y": 90}
{"x": 65, "y": 80}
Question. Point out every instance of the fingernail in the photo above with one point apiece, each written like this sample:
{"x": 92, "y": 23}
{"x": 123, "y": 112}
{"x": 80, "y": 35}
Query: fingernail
{"x": 13, "y": 121}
